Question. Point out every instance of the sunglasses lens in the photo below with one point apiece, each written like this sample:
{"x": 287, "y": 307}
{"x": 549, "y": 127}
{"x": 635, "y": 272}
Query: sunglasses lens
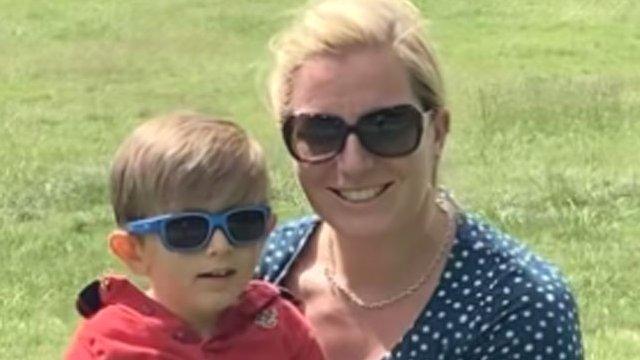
{"x": 316, "y": 137}
{"x": 391, "y": 132}
{"x": 246, "y": 226}
{"x": 187, "y": 232}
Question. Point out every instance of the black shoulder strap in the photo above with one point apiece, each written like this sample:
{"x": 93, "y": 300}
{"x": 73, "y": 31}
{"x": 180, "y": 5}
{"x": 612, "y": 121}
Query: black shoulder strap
{"x": 88, "y": 302}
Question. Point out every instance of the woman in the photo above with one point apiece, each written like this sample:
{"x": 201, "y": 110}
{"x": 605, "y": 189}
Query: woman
{"x": 390, "y": 267}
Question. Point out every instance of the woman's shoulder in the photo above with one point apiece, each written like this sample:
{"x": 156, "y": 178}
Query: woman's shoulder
{"x": 283, "y": 246}
{"x": 513, "y": 293}
{"x": 495, "y": 252}
{"x": 496, "y": 298}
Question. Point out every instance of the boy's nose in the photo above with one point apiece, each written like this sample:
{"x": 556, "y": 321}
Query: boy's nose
{"x": 219, "y": 244}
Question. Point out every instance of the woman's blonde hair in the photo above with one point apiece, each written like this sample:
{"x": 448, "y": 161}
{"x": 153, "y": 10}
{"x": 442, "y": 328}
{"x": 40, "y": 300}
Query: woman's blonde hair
{"x": 186, "y": 160}
{"x": 335, "y": 26}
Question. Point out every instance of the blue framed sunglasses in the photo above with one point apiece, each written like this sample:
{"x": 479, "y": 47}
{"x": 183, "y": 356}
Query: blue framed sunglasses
{"x": 192, "y": 231}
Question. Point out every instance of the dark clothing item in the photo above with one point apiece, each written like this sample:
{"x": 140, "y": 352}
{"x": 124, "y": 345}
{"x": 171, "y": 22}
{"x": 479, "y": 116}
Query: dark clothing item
{"x": 495, "y": 299}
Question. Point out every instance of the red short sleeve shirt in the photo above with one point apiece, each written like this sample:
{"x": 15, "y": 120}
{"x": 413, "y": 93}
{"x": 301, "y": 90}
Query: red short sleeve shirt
{"x": 121, "y": 322}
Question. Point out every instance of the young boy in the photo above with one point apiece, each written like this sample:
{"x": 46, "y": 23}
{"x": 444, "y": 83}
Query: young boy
{"x": 189, "y": 195}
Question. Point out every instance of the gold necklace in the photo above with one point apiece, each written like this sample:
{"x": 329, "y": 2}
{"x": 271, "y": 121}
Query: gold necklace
{"x": 356, "y": 300}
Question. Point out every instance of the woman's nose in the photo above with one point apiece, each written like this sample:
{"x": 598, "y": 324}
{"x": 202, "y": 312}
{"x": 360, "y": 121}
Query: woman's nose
{"x": 219, "y": 244}
{"x": 354, "y": 158}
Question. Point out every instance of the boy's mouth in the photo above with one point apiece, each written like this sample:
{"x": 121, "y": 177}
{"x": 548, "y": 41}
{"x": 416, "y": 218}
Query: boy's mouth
{"x": 216, "y": 274}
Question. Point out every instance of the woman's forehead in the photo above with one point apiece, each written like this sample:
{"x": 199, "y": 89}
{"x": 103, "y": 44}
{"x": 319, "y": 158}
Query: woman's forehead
{"x": 351, "y": 83}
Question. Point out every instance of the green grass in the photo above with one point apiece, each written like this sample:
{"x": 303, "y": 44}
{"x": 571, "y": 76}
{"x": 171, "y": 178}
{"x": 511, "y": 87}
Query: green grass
{"x": 545, "y": 97}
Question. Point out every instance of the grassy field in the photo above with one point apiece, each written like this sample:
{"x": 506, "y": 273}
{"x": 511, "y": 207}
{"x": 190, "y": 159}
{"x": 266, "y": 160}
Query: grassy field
{"x": 545, "y": 97}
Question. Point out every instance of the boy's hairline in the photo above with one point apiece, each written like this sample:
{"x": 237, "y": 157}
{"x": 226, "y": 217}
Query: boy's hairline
{"x": 247, "y": 184}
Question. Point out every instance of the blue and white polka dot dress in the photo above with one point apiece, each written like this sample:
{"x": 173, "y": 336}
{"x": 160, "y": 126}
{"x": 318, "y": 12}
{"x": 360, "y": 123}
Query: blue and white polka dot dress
{"x": 495, "y": 300}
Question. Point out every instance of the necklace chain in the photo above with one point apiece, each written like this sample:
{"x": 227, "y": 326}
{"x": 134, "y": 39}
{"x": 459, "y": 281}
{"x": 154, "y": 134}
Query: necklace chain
{"x": 442, "y": 250}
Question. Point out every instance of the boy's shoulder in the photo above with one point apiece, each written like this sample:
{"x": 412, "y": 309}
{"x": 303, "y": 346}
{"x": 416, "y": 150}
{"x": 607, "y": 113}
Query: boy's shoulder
{"x": 113, "y": 305}
{"x": 263, "y": 293}
{"x": 110, "y": 292}
{"x": 120, "y": 320}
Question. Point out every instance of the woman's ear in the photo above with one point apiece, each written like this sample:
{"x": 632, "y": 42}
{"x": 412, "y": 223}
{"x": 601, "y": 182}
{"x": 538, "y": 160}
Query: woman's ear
{"x": 129, "y": 249}
{"x": 441, "y": 126}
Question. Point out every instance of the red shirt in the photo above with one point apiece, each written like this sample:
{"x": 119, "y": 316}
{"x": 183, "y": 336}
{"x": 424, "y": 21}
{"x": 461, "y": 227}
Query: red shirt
{"x": 123, "y": 323}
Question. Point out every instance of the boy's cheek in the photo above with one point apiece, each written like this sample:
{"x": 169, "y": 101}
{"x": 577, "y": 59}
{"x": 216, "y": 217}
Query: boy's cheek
{"x": 247, "y": 259}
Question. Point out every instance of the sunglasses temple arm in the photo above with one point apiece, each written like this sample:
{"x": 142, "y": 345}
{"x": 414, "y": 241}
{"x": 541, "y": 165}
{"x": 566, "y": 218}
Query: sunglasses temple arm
{"x": 142, "y": 227}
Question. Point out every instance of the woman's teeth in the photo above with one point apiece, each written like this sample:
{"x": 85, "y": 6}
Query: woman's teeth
{"x": 361, "y": 195}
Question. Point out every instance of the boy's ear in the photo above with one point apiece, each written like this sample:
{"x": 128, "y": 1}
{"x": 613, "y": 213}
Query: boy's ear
{"x": 128, "y": 249}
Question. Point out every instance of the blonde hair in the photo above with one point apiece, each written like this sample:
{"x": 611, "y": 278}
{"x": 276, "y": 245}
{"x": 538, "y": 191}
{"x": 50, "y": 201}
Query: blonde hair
{"x": 335, "y": 26}
{"x": 186, "y": 160}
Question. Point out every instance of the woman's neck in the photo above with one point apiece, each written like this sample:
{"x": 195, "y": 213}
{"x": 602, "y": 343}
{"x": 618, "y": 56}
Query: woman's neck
{"x": 381, "y": 264}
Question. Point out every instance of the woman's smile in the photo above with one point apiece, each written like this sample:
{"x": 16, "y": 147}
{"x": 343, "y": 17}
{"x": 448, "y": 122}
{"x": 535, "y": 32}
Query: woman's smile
{"x": 362, "y": 194}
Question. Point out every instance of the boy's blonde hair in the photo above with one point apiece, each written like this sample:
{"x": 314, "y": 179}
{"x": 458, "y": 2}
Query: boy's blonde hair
{"x": 186, "y": 160}
{"x": 336, "y": 26}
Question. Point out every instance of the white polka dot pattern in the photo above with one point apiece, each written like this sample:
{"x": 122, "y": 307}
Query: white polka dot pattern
{"x": 495, "y": 300}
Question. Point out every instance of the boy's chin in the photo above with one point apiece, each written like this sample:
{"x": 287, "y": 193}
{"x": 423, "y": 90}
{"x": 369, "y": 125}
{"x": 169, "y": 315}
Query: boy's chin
{"x": 214, "y": 303}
